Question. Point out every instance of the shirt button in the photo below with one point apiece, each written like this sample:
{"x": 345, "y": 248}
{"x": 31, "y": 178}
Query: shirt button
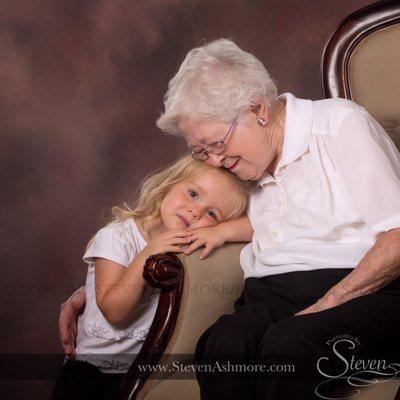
{"x": 275, "y": 234}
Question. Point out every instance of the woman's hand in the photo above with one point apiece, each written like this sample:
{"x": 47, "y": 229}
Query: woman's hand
{"x": 171, "y": 241}
{"x": 329, "y": 300}
{"x": 210, "y": 238}
{"x": 68, "y": 321}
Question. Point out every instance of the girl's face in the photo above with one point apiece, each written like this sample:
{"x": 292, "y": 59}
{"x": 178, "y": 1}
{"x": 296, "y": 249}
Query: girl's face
{"x": 201, "y": 201}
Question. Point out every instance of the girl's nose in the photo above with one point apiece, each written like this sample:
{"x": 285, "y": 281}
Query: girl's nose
{"x": 215, "y": 160}
{"x": 196, "y": 211}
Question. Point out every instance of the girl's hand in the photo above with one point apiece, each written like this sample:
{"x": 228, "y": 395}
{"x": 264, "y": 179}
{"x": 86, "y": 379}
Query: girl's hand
{"x": 170, "y": 241}
{"x": 210, "y": 238}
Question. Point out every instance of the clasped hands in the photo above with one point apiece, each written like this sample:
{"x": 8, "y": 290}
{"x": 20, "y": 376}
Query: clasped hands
{"x": 209, "y": 238}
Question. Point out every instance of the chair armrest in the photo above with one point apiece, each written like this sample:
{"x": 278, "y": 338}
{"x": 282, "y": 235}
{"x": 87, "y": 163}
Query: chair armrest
{"x": 165, "y": 272}
{"x": 194, "y": 293}
{"x": 210, "y": 288}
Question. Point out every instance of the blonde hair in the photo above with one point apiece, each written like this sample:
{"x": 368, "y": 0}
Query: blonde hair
{"x": 156, "y": 186}
{"x": 215, "y": 81}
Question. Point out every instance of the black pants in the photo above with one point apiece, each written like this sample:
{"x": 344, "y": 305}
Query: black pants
{"x": 81, "y": 380}
{"x": 299, "y": 352}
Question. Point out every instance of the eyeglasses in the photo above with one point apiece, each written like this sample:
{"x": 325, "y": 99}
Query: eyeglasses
{"x": 213, "y": 148}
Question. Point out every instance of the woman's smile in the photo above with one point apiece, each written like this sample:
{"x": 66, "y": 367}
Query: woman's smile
{"x": 231, "y": 168}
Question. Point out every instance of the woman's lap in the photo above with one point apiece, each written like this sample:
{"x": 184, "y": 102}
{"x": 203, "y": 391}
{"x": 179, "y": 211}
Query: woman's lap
{"x": 263, "y": 328}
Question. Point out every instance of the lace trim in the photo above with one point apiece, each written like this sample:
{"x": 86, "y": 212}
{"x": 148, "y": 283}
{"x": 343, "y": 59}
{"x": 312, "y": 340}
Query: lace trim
{"x": 116, "y": 334}
{"x": 106, "y": 363}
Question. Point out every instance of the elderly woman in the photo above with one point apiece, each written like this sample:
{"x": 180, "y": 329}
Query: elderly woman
{"x": 325, "y": 254}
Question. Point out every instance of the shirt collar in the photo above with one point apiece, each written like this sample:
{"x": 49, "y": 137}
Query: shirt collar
{"x": 298, "y": 124}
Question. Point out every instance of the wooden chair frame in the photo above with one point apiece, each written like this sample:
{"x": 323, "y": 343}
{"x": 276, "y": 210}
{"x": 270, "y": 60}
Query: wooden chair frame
{"x": 165, "y": 272}
{"x": 341, "y": 44}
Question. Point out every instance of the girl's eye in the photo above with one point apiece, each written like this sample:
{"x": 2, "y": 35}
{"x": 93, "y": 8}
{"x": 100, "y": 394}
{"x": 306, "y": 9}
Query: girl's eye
{"x": 212, "y": 214}
{"x": 192, "y": 193}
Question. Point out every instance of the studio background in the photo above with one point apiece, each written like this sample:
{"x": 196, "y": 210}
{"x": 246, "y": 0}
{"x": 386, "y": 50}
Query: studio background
{"x": 81, "y": 85}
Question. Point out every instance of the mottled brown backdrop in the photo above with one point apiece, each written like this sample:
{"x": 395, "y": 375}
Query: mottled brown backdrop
{"x": 81, "y": 85}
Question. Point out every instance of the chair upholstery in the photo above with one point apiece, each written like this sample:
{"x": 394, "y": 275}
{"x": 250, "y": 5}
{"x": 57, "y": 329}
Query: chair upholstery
{"x": 361, "y": 62}
{"x": 374, "y": 78}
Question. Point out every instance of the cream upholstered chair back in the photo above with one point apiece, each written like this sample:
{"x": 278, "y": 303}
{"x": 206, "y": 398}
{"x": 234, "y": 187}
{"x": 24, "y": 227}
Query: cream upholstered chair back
{"x": 374, "y": 78}
{"x": 361, "y": 62}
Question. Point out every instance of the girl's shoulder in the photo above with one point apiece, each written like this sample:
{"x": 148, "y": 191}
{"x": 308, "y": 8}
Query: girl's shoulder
{"x": 126, "y": 229}
{"x": 118, "y": 241}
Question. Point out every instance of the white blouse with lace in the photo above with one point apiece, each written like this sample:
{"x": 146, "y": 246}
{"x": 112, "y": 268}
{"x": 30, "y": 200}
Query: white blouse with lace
{"x": 111, "y": 349}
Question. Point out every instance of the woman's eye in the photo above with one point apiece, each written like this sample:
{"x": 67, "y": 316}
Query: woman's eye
{"x": 212, "y": 214}
{"x": 192, "y": 193}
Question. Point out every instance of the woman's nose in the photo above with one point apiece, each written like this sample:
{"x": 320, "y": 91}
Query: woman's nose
{"x": 215, "y": 160}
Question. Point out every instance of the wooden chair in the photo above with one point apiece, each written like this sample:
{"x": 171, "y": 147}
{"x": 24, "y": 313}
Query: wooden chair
{"x": 365, "y": 48}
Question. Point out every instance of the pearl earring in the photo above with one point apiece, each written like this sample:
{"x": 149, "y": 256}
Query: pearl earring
{"x": 261, "y": 121}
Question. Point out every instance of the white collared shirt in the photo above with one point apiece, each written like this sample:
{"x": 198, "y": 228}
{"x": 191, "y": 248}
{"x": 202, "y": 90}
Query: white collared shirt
{"x": 335, "y": 188}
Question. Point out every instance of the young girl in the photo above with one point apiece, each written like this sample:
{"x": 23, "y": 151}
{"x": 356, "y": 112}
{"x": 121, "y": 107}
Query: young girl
{"x": 175, "y": 210}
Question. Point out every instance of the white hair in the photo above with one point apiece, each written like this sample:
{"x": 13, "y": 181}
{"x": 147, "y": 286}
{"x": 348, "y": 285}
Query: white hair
{"x": 215, "y": 81}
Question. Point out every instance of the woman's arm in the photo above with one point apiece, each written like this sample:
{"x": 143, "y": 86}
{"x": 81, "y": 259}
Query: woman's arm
{"x": 68, "y": 320}
{"x": 379, "y": 267}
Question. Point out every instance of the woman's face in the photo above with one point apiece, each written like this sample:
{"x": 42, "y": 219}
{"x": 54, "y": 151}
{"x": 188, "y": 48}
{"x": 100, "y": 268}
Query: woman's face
{"x": 249, "y": 150}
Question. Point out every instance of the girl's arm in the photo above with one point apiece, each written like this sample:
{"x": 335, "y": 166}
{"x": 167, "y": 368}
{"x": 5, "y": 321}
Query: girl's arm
{"x": 118, "y": 289}
{"x": 236, "y": 230}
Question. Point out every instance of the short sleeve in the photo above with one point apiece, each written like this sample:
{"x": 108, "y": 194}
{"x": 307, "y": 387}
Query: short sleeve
{"x": 110, "y": 243}
{"x": 369, "y": 165}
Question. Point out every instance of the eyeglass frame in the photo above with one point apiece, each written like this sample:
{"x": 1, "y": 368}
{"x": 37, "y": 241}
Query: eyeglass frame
{"x": 205, "y": 152}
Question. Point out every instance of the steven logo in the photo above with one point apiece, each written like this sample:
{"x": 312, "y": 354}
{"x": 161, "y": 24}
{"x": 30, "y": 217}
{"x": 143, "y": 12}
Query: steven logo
{"x": 355, "y": 372}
